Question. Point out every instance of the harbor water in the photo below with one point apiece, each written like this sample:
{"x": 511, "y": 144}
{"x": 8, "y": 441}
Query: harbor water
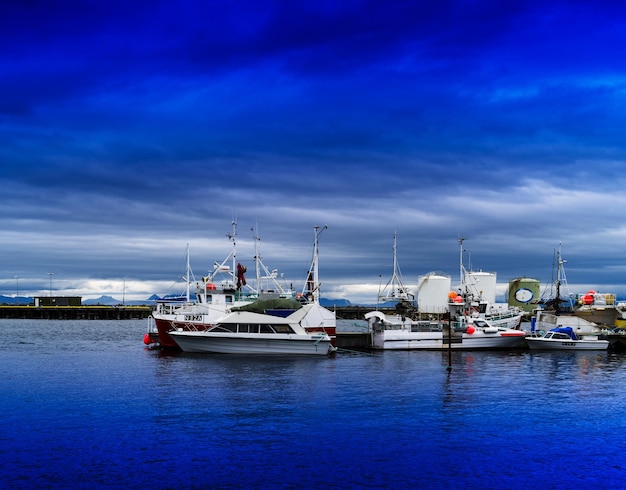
{"x": 85, "y": 405}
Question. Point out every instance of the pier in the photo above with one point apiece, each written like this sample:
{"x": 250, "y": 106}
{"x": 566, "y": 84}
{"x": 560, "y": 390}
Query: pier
{"x": 83, "y": 312}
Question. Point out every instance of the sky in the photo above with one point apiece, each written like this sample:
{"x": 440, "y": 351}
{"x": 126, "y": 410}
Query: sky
{"x": 129, "y": 130}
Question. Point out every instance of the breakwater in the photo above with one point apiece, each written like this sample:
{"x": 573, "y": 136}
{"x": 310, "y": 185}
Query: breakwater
{"x": 98, "y": 312}
{"x": 103, "y": 312}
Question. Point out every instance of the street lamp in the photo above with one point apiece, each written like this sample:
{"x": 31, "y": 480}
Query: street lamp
{"x": 17, "y": 287}
{"x": 50, "y": 274}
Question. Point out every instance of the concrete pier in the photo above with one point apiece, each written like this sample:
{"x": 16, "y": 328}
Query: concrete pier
{"x": 76, "y": 312}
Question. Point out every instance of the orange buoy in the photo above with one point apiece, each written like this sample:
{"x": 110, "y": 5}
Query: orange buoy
{"x": 452, "y": 295}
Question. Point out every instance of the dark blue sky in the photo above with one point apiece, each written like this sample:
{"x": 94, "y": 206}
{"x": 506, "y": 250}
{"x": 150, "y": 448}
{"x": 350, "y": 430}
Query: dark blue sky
{"x": 129, "y": 129}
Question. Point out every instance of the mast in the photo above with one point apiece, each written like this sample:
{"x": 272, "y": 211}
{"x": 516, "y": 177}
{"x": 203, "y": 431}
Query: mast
{"x": 187, "y": 277}
{"x": 394, "y": 289}
{"x": 233, "y": 237}
{"x": 461, "y": 268}
{"x": 561, "y": 279}
{"x": 262, "y": 268}
{"x": 552, "y": 291}
{"x": 316, "y": 256}
{"x": 312, "y": 286}
{"x": 257, "y": 257}
{"x": 222, "y": 267}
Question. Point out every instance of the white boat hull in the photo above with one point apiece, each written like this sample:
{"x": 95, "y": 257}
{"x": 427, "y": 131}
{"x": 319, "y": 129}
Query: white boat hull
{"x": 225, "y": 343}
{"x": 509, "y": 321}
{"x": 539, "y": 343}
{"x": 390, "y": 340}
{"x": 395, "y": 332}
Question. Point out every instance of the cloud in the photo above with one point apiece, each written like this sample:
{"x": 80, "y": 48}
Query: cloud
{"x": 130, "y": 130}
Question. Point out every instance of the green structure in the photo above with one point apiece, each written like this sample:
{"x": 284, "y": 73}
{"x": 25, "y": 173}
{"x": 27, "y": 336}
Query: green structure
{"x": 524, "y": 292}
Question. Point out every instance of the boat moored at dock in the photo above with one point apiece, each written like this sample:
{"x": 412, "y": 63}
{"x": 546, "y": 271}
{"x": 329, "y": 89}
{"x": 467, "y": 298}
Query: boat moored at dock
{"x": 216, "y": 294}
{"x": 564, "y": 338}
{"x": 468, "y": 333}
{"x": 305, "y": 328}
{"x": 245, "y": 332}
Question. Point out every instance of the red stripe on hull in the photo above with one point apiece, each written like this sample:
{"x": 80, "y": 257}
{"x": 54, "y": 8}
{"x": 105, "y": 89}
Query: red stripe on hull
{"x": 331, "y": 331}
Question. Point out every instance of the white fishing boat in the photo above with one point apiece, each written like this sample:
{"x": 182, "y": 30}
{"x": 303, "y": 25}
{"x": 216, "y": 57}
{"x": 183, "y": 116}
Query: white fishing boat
{"x": 216, "y": 294}
{"x": 308, "y": 329}
{"x": 564, "y": 338}
{"x": 469, "y": 333}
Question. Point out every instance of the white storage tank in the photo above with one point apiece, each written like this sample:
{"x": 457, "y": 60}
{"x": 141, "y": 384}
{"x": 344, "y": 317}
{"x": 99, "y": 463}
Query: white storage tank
{"x": 432, "y": 293}
{"x": 483, "y": 285}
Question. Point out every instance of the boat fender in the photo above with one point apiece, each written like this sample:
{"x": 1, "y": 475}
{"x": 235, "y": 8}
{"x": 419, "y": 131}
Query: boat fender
{"x": 470, "y": 330}
{"x": 146, "y": 339}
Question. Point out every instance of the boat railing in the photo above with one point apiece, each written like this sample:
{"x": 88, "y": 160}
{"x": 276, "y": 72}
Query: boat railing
{"x": 426, "y": 326}
{"x": 504, "y": 315}
{"x": 169, "y": 308}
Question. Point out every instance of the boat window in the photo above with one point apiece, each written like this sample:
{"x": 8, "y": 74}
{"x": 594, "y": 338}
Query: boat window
{"x": 266, "y": 328}
{"x": 248, "y": 328}
{"x": 282, "y": 329}
{"x": 435, "y": 327}
{"x": 230, "y": 327}
{"x": 229, "y": 298}
{"x": 209, "y": 298}
{"x": 421, "y": 326}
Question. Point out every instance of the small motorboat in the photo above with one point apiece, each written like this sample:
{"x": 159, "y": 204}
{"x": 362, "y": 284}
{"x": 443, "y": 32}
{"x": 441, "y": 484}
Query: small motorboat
{"x": 564, "y": 338}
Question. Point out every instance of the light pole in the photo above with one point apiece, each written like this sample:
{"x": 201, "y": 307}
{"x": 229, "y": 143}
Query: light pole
{"x": 50, "y": 274}
{"x": 17, "y": 287}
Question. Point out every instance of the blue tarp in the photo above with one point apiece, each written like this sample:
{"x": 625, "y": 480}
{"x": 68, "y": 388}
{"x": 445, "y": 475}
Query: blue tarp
{"x": 568, "y": 330}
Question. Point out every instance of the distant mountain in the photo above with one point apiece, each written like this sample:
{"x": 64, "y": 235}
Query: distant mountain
{"x": 111, "y": 301}
{"x": 326, "y": 302}
{"x": 102, "y": 300}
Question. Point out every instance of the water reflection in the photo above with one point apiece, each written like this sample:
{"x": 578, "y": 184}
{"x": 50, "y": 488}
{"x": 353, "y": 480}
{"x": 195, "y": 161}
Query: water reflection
{"x": 495, "y": 420}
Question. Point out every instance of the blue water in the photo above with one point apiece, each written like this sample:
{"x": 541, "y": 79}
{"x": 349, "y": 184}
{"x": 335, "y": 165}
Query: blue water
{"x": 84, "y": 405}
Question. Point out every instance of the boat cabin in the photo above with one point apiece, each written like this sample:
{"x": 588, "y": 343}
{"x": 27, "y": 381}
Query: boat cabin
{"x": 281, "y": 328}
{"x": 557, "y": 336}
